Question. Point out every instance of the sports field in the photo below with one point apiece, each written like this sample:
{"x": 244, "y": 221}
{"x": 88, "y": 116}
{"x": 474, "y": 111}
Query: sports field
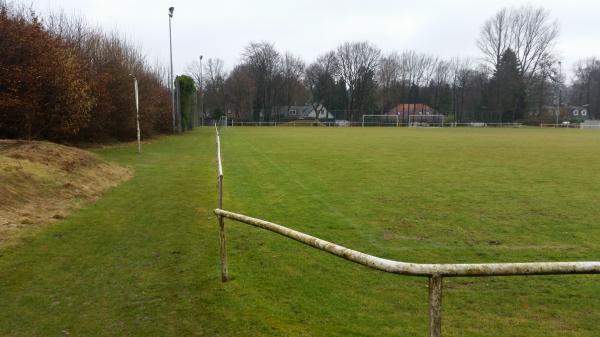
{"x": 143, "y": 261}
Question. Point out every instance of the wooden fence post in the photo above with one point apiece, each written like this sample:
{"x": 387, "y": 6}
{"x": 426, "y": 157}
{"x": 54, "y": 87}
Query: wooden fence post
{"x": 222, "y": 242}
{"x": 435, "y": 306}
{"x": 224, "y": 271}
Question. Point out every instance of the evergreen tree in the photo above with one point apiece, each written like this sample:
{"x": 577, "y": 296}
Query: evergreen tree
{"x": 186, "y": 95}
{"x": 508, "y": 88}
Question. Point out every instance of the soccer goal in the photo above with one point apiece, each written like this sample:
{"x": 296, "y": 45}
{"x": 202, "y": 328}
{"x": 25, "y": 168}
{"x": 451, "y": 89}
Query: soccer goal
{"x": 380, "y": 120}
{"x": 224, "y": 121}
{"x": 426, "y": 120}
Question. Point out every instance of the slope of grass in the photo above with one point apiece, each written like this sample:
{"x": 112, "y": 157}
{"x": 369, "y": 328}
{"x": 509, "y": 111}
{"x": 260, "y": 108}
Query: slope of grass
{"x": 41, "y": 182}
{"x": 144, "y": 259}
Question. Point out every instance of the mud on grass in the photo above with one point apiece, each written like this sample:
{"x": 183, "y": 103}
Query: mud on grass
{"x": 42, "y": 182}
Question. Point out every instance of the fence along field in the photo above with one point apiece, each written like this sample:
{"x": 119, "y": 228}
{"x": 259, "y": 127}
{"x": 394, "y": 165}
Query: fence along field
{"x": 434, "y": 272}
{"x": 436, "y": 121}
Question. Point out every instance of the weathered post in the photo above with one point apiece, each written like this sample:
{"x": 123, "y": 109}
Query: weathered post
{"x": 435, "y": 306}
{"x": 223, "y": 246}
{"x": 224, "y": 271}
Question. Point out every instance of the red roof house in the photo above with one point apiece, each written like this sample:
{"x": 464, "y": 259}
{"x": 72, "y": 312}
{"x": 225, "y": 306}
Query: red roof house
{"x": 406, "y": 109}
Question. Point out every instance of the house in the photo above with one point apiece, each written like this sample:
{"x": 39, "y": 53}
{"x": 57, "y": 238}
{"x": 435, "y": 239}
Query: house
{"x": 304, "y": 112}
{"x": 579, "y": 112}
{"x": 405, "y": 109}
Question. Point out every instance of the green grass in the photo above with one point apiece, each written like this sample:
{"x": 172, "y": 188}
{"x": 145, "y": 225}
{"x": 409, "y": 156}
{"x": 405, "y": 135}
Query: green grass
{"x": 143, "y": 261}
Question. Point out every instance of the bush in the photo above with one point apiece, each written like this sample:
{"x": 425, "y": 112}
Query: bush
{"x": 68, "y": 81}
{"x": 42, "y": 93}
{"x": 187, "y": 93}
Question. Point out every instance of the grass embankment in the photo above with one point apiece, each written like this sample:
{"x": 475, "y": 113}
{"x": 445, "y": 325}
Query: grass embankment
{"x": 143, "y": 260}
{"x": 42, "y": 182}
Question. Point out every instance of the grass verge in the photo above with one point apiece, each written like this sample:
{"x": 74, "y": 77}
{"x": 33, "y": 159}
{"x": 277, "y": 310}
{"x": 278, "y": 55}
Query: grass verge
{"x": 143, "y": 260}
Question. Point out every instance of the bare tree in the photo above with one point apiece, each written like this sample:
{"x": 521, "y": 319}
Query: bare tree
{"x": 320, "y": 80}
{"x": 388, "y": 78}
{"x": 418, "y": 67}
{"x": 533, "y": 37}
{"x": 213, "y": 77}
{"x": 241, "y": 91}
{"x": 292, "y": 73}
{"x": 416, "y": 72}
{"x": 214, "y": 70}
{"x": 494, "y": 37}
{"x": 585, "y": 89}
{"x": 462, "y": 76}
{"x": 540, "y": 88}
{"x": 439, "y": 82}
{"x": 356, "y": 65}
{"x": 194, "y": 71}
{"x": 527, "y": 31}
{"x": 263, "y": 60}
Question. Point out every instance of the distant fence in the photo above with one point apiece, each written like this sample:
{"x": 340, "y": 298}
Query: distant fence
{"x": 309, "y": 123}
{"x": 570, "y": 126}
{"x": 434, "y": 272}
{"x": 298, "y": 123}
{"x": 340, "y": 123}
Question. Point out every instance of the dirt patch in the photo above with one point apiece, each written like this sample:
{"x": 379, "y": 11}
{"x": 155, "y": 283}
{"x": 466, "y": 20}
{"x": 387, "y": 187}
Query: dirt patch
{"x": 42, "y": 182}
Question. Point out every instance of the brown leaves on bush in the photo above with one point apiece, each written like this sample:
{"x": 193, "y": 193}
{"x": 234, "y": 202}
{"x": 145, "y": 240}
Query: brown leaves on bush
{"x": 68, "y": 81}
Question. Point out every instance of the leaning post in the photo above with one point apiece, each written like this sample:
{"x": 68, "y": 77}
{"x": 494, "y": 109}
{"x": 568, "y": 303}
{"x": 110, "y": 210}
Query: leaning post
{"x": 435, "y": 306}
{"x": 223, "y": 246}
{"x": 224, "y": 271}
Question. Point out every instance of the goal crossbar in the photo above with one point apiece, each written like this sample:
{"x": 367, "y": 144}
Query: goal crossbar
{"x": 394, "y": 118}
{"x": 429, "y": 119}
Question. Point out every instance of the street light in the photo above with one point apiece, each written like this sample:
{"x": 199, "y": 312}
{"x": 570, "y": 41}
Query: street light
{"x": 201, "y": 92}
{"x": 559, "y": 91}
{"x": 171, "y": 9}
{"x": 137, "y": 112}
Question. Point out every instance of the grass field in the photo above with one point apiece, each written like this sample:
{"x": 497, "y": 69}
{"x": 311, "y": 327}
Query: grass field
{"x": 143, "y": 261}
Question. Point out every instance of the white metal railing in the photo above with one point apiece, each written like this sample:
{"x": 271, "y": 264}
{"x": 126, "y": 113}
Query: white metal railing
{"x": 434, "y": 272}
{"x": 393, "y": 122}
{"x": 399, "y": 123}
{"x": 420, "y": 269}
{"x": 563, "y": 125}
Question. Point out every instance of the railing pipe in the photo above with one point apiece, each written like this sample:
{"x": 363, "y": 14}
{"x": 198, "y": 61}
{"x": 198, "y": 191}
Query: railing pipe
{"x": 435, "y": 272}
{"x": 420, "y": 269}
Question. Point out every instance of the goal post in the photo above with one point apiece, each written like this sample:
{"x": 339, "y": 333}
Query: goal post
{"x": 426, "y": 120}
{"x": 380, "y": 120}
{"x": 223, "y": 121}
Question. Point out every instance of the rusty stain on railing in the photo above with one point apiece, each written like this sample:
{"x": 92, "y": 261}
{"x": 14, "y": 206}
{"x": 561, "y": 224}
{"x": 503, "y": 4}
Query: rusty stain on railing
{"x": 420, "y": 269}
{"x": 434, "y": 272}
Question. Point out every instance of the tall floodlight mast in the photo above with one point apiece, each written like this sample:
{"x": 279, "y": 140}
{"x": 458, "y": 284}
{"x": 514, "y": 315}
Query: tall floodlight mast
{"x": 171, "y": 80}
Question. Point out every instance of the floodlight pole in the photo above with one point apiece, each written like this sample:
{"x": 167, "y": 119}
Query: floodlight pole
{"x": 137, "y": 113}
{"x": 559, "y": 91}
{"x": 171, "y": 9}
{"x": 201, "y": 91}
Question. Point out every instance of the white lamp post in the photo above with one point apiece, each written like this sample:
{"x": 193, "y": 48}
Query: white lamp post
{"x": 201, "y": 91}
{"x": 137, "y": 113}
{"x": 559, "y": 91}
{"x": 171, "y": 9}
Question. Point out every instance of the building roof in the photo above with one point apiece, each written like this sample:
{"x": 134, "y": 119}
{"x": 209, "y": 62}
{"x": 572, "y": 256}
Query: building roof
{"x": 410, "y": 108}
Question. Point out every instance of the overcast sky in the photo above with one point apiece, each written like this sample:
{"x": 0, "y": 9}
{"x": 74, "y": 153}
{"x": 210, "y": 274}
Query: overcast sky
{"x": 309, "y": 28}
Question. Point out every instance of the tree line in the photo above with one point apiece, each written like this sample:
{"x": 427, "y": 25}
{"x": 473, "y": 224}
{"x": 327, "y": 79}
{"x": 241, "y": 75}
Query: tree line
{"x": 65, "y": 80}
{"x": 585, "y": 89}
{"x": 517, "y": 77}
{"x": 62, "y": 79}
